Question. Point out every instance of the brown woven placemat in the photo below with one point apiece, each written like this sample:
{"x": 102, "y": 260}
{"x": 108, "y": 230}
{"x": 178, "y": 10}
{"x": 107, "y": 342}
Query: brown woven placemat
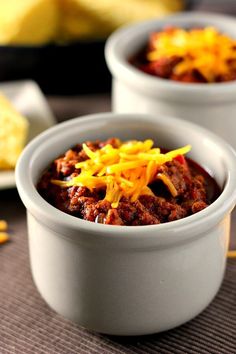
{"x": 29, "y": 326}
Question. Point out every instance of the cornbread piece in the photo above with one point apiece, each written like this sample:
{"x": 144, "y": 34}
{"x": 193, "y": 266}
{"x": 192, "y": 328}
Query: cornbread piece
{"x": 3, "y": 225}
{"x": 28, "y": 21}
{"x": 33, "y": 22}
{"x": 13, "y": 134}
{"x": 76, "y": 22}
{"x": 86, "y": 18}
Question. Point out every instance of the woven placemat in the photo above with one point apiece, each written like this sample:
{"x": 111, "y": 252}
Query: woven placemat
{"x": 29, "y": 326}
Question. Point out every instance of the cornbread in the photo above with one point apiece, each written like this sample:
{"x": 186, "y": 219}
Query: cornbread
{"x": 100, "y": 18}
{"x": 4, "y": 237}
{"x": 28, "y": 21}
{"x": 35, "y": 22}
{"x": 78, "y": 22}
{"x": 3, "y": 225}
{"x": 13, "y": 134}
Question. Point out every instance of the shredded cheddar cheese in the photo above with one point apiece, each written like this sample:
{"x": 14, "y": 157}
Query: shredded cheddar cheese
{"x": 168, "y": 183}
{"x": 206, "y": 50}
{"x": 125, "y": 171}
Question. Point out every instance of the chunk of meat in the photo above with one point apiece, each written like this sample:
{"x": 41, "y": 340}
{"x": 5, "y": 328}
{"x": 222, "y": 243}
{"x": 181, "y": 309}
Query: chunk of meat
{"x": 113, "y": 218}
{"x": 162, "y": 67}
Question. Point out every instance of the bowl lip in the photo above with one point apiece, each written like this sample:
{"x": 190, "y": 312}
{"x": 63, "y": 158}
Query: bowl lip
{"x": 118, "y": 64}
{"x": 50, "y": 215}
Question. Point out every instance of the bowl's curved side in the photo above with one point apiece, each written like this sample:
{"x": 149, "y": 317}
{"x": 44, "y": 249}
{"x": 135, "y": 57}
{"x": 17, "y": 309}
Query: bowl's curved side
{"x": 127, "y": 291}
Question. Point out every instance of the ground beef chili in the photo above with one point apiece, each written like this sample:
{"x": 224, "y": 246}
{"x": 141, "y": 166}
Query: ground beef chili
{"x": 196, "y": 189}
{"x": 198, "y": 55}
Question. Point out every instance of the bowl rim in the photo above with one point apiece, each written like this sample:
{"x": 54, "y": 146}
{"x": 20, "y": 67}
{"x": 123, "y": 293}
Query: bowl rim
{"x": 53, "y": 217}
{"x": 118, "y": 43}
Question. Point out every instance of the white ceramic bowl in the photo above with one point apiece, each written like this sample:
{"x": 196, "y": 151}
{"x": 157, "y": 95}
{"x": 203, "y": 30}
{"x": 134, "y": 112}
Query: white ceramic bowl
{"x": 128, "y": 280}
{"x": 210, "y": 105}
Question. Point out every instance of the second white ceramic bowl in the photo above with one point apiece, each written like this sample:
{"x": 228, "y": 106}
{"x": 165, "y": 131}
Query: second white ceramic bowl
{"x": 210, "y": 105}
{"x": 128, "y": 280}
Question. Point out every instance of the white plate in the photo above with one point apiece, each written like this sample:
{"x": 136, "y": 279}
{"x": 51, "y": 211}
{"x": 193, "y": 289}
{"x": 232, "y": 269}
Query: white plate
{"x": 29, "y": 100}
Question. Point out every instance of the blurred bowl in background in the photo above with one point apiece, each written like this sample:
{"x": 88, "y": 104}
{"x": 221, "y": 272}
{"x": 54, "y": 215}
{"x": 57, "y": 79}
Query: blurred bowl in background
{"x": 210, "y": 105}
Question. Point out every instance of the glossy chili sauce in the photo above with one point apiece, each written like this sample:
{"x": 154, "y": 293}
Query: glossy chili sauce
{"x": 196, "y": 190}
{"x": 212, "y": 189}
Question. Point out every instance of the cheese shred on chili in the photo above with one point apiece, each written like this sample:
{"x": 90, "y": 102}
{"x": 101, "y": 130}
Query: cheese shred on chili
{"x": 125, "y": 171}
{"x": 205, "y": 50}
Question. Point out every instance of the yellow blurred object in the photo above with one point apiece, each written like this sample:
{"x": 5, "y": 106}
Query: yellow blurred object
{"x": 100, "y": 18}
{"x": 34, "y": 22}
{"x": 3, "y": 225}
{"x": 76, "y": 22}
{"x": 28, "y": 21}
{"x": 13, "y": 134}
{"x": 4, "y": 237}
